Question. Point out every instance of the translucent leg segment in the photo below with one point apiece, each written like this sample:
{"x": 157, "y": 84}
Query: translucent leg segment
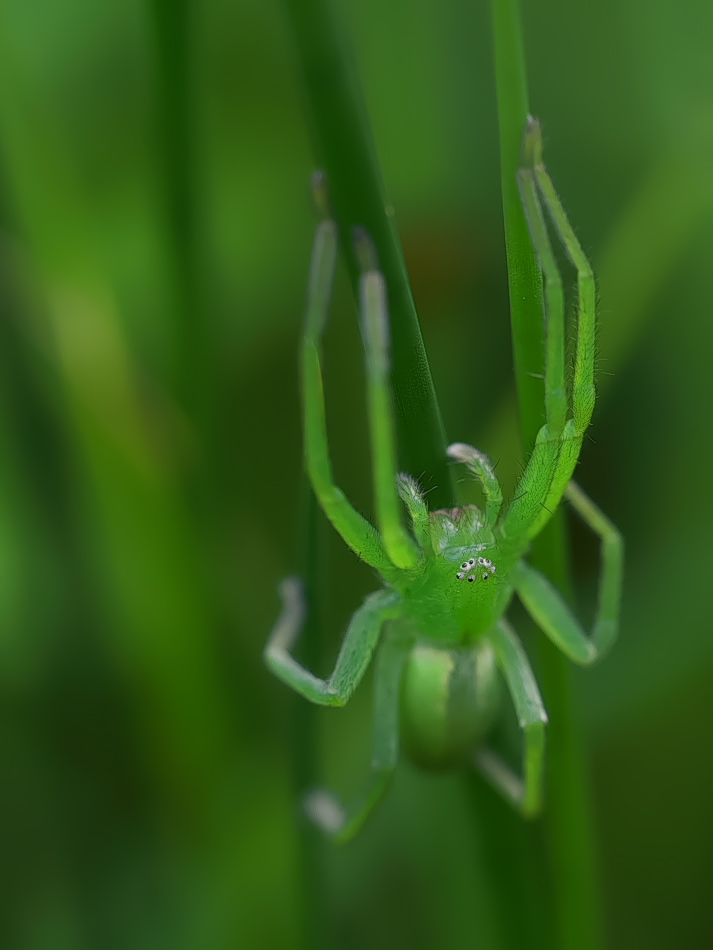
{"x": 527, "y": 177}
{"x": 375, "y": 331}
{"x": 583, "y": 392}
{"x": 354, "y": 656}
{"x": 357, "y": 532}
{"x": 553, "y": 615}
{"x": 524, "y": 794}
{"x": 559, "y": 442}
{"x": 322, "y": 806}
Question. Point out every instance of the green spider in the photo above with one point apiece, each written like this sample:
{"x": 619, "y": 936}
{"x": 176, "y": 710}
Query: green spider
{"x": 448, "y": 582}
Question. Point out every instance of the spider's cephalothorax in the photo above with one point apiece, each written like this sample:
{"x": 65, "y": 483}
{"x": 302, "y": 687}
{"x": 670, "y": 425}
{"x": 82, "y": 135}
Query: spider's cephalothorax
{"x": 439, "y": 620}
{"x": 459, "y": 585}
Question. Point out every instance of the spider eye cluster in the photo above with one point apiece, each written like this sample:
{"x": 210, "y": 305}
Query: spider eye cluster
{"x": 467, "y": 569}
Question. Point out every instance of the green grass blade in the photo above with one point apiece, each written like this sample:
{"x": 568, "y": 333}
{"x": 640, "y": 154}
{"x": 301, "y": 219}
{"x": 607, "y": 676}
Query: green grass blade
{"x": 133, "y": 520}
{"x": 568, "y": 824}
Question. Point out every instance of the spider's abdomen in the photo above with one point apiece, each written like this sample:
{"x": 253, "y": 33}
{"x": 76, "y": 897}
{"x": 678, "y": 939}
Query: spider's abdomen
{"x": 449, "y": 700}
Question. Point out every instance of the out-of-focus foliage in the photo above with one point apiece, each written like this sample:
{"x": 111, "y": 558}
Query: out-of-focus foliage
{"x": 150, "y": 447}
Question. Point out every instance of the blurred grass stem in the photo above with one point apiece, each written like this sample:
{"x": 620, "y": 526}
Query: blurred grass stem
{"x": 174, "y": 91}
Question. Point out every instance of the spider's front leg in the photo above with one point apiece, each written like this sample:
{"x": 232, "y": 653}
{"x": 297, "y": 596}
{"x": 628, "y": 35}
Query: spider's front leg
{"x": 559, "y": 442}
{"x": 393, "y": 547}
{"x": 373, "y": 310}
{"x": 356, "y": 531}
{"x": 548, "y": 474}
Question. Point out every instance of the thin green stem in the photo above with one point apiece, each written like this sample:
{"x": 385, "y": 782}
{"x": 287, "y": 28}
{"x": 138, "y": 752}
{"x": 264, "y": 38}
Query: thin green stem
{"x": 525, "y": 282}
{"x": 177, "y": 180}
{"x": 345, "y": 149}
{"x": 568, "y": 824}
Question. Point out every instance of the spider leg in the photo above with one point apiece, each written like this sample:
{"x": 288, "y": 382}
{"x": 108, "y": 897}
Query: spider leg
{"x": 553, "y": 615}
{"x": 524, "y": 794}
{"x": 479, "y": 464}
{"x": 374, "y": 312}
{"x": 559, "y": 442}
{"x": 354, "y": 656}
{"x": 583, "y": 390}
{"x": 340, "y": 822}
{"x": 361, "y": 536}
{"x": 527, "y": 179}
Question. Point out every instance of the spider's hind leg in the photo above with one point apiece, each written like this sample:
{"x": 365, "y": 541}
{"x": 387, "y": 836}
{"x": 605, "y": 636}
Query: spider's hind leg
{"x": 524, "y": 794}
{"x": 336, "y": 820}
{"x": 551, "y": 612}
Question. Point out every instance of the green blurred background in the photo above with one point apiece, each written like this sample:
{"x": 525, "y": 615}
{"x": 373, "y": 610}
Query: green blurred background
{"x": 150, "y": 445}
